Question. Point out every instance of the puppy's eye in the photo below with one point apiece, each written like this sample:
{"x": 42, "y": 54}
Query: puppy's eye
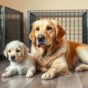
{"x": 9, "y": 51}
{"x": 37, "y": 28}
{"x": 17, "y": 51}
{"x": 49, "y": 28}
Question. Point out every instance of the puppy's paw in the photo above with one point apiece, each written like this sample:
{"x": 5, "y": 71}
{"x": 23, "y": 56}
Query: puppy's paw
{"x": 48, "y": 75}
{"x": 7, "y": 68}
{"x": 29, "y": 74}
{"x": 6, "y": 75}
{"x": 78, "y": 69}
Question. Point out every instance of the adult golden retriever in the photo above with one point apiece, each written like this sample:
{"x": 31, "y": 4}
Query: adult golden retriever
{"x": 54, "y": 55}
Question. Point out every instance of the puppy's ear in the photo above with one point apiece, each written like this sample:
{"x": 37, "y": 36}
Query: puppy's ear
{"x": 25, "y": 49}
{"x": 5, "y": 52}
{"x": 32, "y": 35}
{"x": 60, "y": 32}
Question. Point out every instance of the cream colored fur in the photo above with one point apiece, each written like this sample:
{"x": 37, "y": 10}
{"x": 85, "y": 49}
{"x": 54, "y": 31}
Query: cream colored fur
{"x": 23, "y": 64}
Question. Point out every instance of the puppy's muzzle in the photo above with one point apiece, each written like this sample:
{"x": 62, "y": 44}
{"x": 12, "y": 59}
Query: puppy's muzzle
{"x": 41, "y": 40}
{"x": 13, "y": 58}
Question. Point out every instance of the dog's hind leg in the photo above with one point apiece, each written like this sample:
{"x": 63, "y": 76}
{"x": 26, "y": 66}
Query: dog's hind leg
{"x": 81, "y": 67}
{"x": 82, "y": 53}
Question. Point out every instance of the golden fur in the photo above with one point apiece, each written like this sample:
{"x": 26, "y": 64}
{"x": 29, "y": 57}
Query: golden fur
{"x": 56, "y": 55}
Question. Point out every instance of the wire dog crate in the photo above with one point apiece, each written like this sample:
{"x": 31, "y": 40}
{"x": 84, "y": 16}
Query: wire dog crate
{"x": 75, "y": 22}
{"x": 11, "y": 25}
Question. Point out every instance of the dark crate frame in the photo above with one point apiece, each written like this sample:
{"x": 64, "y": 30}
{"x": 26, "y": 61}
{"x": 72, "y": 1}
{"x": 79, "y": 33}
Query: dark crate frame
{"x": 1, "y": 34}
{"x": 79, "y": 23}
{"x": 11, "y": 25}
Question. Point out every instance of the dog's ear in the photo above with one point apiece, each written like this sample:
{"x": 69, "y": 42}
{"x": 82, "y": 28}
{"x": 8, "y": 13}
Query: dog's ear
{"x": 25, "y": 49}
{"x": 32, "y": 35}
{"x": 60, "y": 32}
{"x": 5, "y": 52}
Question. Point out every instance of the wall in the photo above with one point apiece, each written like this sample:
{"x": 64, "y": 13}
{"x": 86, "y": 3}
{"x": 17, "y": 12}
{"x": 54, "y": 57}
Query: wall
{"x": 24, "y": 5}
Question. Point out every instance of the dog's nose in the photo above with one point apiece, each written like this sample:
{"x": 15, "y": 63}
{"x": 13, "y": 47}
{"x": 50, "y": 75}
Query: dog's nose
{"x": 41, "y": 38}
{"x": 13, "y": 57}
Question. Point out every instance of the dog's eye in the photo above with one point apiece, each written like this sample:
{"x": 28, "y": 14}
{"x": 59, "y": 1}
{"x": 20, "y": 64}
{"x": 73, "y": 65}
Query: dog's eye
{"x": 49, "y": 28}
{"x": 17, "y": 50}
{"x": 37, "y": 28}
{"x": 9, "y": 51}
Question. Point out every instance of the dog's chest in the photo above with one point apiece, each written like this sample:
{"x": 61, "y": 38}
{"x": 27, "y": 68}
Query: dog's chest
{"x": 35, "y": 51}
{"x": 21, "y": 68}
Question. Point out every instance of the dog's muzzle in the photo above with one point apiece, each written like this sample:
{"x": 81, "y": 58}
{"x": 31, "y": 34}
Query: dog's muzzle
{"x": 13, "y": 58}
{"x": 40, "y": 40}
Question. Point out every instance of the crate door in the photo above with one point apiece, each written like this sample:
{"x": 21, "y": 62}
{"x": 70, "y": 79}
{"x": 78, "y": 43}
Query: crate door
{"x": 85, "y": 27}
{"x": 13, "y": 25}
{"x": 30, "y": 19}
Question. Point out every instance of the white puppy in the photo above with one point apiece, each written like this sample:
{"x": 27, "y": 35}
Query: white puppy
{"x": 21, "y": 62}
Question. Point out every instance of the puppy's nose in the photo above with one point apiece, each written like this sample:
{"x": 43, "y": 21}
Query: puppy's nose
{"x": 13, "y": 57}
{"x": 41, "y": 38}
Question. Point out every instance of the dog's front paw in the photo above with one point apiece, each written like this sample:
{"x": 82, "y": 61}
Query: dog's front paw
{"x": 7, "y": 68}
{"x": 6, "y": 74}
{"x": 48, "y": 75}
{"x": 29, "y": 74}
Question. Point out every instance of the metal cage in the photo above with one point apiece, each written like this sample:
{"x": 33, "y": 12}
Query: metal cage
{"x": 73, "y": 21}
{"x": 11, "y": 25}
